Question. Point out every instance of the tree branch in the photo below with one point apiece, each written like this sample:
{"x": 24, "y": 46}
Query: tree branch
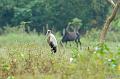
{"x": 108, "y": 21}
{"x": 111, "y": 2}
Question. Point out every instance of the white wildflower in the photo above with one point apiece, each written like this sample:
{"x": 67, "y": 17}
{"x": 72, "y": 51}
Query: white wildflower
{"x": 96, "y": 48}
{"x": 109, "y": 60}
{"x": 71, "y": 59}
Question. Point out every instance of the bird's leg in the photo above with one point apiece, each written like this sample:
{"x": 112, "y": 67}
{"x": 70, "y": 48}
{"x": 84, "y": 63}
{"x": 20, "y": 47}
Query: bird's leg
{"x": 52, "y": 50}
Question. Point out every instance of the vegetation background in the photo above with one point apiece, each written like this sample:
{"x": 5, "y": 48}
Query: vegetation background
{"x": 55, "y": 13}
{"x": 25, "y": 54}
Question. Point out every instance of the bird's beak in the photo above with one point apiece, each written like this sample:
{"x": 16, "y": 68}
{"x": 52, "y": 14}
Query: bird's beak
{"x": 46, "y": 33}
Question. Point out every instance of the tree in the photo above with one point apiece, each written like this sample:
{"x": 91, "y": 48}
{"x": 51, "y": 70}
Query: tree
{"x": 109, "y": 20}
{"x": 75, "y": 24}
{"x": 55, "y": 13}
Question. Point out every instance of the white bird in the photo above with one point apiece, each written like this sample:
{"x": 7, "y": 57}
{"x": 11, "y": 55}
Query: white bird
{"x": 51, "y": 41}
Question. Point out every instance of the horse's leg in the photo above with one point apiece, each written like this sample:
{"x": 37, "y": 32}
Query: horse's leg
{"x": 66, "y": 43}
{"x": 79, "y": 42}
{"x": 70, "y": 44}
{"x": 76, "y": 42}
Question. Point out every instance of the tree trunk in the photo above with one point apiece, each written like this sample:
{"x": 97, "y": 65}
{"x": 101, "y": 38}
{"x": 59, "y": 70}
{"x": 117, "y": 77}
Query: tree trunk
{"x": 108, "y": 21}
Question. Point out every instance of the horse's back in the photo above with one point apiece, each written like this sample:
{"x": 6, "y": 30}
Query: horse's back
{"x": 72, "y": 36}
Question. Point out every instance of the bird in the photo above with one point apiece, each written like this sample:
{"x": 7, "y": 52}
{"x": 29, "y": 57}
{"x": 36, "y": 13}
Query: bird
{"x": 51, "y": 40}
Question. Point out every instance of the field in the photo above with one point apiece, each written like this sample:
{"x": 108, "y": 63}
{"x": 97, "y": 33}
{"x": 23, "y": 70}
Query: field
{"x": 28, "y": 56}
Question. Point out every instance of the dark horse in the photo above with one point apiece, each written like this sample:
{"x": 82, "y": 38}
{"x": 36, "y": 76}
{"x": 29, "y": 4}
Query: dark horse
{"x": 71, "y": 36}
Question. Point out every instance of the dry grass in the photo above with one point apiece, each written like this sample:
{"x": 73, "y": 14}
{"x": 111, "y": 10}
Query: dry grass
{"x": 24, "y": 56}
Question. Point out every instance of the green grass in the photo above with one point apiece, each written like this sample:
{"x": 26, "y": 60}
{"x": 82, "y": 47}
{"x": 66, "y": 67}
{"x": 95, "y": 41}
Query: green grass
{"x": 28, "y": 56}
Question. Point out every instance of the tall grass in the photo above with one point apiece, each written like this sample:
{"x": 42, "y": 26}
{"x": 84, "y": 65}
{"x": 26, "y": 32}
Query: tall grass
{"x": 28, "y": 56}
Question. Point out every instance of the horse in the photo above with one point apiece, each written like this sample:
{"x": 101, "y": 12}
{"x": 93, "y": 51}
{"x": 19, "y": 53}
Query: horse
{"x": 71, "y": 36}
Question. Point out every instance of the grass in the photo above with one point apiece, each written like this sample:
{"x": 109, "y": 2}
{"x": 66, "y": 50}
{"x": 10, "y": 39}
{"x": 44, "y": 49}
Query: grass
{"x": 28, "y": 56}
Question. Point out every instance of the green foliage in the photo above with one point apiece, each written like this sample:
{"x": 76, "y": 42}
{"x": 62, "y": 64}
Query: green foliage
{"x": 93, "y": 34}
{"x": 52, "y": 12}
{"x": 102, "y": 48}
{"x": 22, "y": 28}
{"x": 5, "y": 67}
{"x": 116, "y": 24}
{"x": 11, "y": 77}
{"x": 108, "y": 57}
{"x": 75, "y": 23}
